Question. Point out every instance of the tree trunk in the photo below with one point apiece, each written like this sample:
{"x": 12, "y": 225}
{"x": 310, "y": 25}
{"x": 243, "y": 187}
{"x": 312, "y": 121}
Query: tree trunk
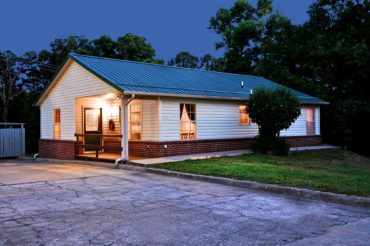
{"x": 5, "y": 114}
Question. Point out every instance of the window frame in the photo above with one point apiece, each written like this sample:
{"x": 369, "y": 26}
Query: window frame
{"x": 192, "y": 114}
{"x": 56, "y": 123}
{"x": 240, "y": 116}
{"x": 139, "y": 122}
{"x": 313, "y": 133}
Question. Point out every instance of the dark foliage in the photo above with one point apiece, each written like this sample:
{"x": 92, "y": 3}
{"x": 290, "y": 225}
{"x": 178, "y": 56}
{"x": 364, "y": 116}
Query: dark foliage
{"x": 328, "y": 56}
{"x": 273, "y": 111}
{"x": 206, "y": 62}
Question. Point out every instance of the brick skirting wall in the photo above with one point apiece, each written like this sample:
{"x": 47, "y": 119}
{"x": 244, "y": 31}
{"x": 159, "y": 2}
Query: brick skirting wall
{"x": 57, "y": 149}
{"x": 304, "y": 141}
{"x": 158, "y": 149}
{"x": 62, "y": 149}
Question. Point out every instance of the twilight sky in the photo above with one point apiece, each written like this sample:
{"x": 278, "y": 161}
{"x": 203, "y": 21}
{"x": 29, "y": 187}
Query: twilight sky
{"x": 169, "y": 25}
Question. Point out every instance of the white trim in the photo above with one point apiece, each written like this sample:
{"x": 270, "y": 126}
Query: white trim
{"x": 205, "y": 97}
{"x": 124, "y": 128}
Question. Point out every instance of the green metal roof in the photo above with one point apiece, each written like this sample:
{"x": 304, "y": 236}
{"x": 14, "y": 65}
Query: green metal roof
{"x": 146, "y": 78}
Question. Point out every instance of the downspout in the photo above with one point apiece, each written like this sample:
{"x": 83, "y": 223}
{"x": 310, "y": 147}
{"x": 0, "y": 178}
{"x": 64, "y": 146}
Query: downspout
{"x": 124, "y": 130}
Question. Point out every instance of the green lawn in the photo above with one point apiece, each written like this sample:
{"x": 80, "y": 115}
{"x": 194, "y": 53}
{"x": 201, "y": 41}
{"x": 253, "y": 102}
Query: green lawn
{"x": 332, "y": 170}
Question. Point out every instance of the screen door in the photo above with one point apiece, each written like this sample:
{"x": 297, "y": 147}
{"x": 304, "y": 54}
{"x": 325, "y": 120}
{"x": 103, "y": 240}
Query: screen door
{"x": 92, "y": 126}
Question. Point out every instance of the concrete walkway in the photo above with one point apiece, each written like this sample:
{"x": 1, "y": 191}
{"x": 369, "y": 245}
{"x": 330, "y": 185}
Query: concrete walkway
{"x": 323, "y": 146}
{"x": 152, "y": 161}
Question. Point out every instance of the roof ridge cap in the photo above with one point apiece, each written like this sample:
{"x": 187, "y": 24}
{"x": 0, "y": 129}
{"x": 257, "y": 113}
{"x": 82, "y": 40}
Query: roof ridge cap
{"x": 163, "y": 65}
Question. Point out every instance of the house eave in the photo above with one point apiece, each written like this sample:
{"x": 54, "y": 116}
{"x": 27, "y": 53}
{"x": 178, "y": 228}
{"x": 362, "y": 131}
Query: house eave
{"x": 140, "y": 93}
{"x": 51, "y": 83}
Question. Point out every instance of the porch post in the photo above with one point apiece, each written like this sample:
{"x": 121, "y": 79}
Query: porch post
{"x": 124, "y": 128}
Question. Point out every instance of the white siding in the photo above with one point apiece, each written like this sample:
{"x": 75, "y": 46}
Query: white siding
{"x": 298, "y": 128}
{"x": 214, "y": 119}
{"x": 75, "y": 82}
{"x": 169, "y": 120}
{"x": 150, "y": 120}
{"x": 219, "y": 120}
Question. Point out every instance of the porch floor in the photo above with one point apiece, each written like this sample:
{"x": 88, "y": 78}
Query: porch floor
{"x": 106, "y": 156}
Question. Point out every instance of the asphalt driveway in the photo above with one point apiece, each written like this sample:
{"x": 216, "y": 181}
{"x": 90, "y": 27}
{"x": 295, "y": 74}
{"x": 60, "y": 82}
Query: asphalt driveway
{"x": 71, "y": 204}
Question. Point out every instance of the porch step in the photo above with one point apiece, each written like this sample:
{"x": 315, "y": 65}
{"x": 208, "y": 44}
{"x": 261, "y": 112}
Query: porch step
{"x": 86, "y": 158}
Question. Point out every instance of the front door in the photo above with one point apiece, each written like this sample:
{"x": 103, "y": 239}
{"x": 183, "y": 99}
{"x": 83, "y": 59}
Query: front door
{"x": 92, "y": 127}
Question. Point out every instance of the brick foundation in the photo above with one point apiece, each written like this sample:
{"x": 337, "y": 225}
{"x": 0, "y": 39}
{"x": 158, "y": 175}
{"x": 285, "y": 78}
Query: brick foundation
{"x": 158, "y": 149}
{"x": 62, "y": 149}
{"x": 304, "y": 141}
{"x": 57, "y": 149}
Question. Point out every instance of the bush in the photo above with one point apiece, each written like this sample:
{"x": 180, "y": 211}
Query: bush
{"x": 280, "y": 146}
{"x": 261, "y": 145}
{"x": 272, "y": 111}
{"x": 277, "y": 145}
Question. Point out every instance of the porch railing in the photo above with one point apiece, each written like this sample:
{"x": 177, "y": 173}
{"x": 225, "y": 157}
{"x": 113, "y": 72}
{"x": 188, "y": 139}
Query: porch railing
{"x": 107, "y": 143}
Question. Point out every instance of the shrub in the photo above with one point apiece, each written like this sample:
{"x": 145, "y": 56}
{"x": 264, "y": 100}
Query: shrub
{"x": 280, "y": 146}
{"x": 277, "y": 145}
{"x": 273, "y": 111}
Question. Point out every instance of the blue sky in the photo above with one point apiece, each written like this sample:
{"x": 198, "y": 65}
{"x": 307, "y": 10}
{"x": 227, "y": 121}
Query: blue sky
{"x": 169, "y": 25}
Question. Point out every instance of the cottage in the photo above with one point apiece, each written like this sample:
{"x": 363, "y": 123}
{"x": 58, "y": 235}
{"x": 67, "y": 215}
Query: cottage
{"x": 107, "y": 108}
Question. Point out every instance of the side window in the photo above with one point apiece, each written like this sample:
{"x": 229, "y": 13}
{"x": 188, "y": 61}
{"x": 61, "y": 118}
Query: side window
{"x": 244, "y": 115}
{"x": 57, "y": 123}
{"x": 310, "y": 121}
{"x": 136, "y": 121}
{"x": 188, "y": 126}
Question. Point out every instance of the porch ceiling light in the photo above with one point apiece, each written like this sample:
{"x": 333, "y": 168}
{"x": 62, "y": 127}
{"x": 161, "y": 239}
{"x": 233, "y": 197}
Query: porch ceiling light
{"x": 110, "y": 96}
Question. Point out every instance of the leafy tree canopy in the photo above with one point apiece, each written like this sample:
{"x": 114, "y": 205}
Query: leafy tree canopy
{"x": 187, "y": 60}
{"x": 39, "y": 67}
{"x": 328, "y": 56}
{"x": 243, "y": 29}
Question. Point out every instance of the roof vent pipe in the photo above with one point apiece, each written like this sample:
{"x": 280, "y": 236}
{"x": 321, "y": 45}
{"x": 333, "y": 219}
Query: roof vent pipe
{"x": 242, "y": 84}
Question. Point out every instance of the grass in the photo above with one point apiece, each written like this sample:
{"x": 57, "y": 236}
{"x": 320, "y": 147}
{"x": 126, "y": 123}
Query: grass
{"x": 331, "y": 170}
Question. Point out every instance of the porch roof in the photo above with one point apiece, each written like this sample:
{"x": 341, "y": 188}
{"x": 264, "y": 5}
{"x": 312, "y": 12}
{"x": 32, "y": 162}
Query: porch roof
{"x": 145, "y": 78}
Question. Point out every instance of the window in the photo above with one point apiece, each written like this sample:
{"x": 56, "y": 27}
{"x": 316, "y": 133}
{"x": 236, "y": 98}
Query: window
{"x": 310, "y": 121}
{"x": 187, "y": 121}
{"x": 135, "y": 121}
{"x": 93, "y": 120}
{"x": 243, "y": 115}
{"x": 57, "y": 123}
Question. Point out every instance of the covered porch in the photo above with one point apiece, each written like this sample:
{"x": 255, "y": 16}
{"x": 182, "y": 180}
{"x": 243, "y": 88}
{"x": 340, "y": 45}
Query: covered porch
{"x": 105, "y": 124}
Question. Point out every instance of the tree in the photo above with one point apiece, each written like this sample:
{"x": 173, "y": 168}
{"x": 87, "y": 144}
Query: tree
{"x": 206, "y": 62}
{"x": 328, "y": 56}
{"x": 9, "y": 86}
{"x": 104, "y": 46}
{"x": 273, "y": 111}
{"x": 332, "y": 51}
{"x": 184, "y": 59}
{"x": 134, "y": 48}
{"x": 242, "y": 28}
